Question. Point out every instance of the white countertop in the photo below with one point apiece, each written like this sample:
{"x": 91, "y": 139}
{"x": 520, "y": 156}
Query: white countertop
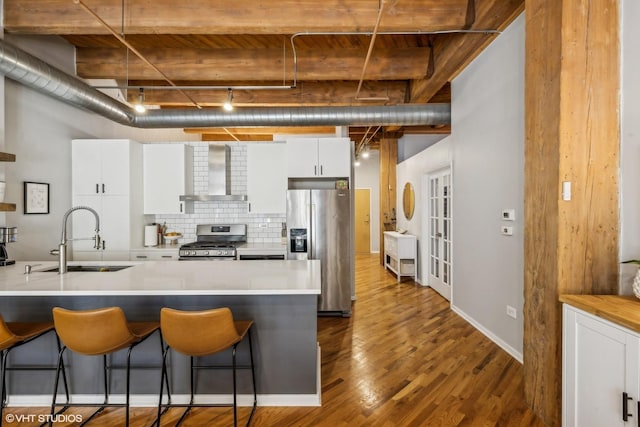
{"x": 166, "y": 278}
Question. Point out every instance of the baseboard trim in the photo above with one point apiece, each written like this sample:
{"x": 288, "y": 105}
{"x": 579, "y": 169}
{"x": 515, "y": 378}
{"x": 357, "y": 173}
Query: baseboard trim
{"x": 151, "y": 400}
{"x": 506, "y": 347}
{"x": 147, "y": 401}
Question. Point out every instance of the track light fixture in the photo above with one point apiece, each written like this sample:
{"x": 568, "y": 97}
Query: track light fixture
{"x": 228, "y": 106}
{"x": 139, "y": 107}
{"x": 365, "y": 152}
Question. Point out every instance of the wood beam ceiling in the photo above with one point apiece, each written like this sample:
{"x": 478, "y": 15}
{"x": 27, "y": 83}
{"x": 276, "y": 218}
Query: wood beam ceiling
{"x": 254, "y": 44}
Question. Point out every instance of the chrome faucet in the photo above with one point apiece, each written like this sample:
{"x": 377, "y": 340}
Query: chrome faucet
{"x": 62, "y": 247}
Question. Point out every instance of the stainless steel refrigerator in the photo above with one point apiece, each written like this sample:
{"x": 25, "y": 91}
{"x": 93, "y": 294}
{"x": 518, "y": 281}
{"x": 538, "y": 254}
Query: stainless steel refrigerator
{"x": 319, "y": 226}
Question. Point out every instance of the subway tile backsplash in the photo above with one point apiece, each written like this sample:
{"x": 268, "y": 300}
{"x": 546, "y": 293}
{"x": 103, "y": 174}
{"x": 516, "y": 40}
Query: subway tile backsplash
{"x": 261, "y": 228}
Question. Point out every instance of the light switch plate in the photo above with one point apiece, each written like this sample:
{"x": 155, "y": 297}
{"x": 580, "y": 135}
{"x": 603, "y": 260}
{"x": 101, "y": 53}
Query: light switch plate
{"x": 506, "y": 230}
{"x": 508, "y": 214}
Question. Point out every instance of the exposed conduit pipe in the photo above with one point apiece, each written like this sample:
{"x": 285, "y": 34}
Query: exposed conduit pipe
{"x": 366, "y": 60}
{"x": 44, "y": 78}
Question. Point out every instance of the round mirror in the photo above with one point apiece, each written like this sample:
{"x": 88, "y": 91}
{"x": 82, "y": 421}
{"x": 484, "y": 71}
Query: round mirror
{"x": 408, "y": 200}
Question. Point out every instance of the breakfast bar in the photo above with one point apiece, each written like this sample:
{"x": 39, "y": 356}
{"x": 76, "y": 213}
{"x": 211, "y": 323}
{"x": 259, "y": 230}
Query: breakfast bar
{"x": 280, "y": 296}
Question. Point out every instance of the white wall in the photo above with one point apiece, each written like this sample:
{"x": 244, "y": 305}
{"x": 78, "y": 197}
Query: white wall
{"x": 367, "y": 175}
{"x": 486, "y": 150}
{"x": 630, "y": 142}
{"x": 410, "y": 145}
{"x": 413, "y": 171}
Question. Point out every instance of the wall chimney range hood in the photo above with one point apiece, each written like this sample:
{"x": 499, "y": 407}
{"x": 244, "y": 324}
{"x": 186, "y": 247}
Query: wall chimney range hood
{"x": 219, "y": 178}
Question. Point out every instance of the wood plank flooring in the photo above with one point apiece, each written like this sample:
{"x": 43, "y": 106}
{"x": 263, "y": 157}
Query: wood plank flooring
{"x": 403, "y": 359}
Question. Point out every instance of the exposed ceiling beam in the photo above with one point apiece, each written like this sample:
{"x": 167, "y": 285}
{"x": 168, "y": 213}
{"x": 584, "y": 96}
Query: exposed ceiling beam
{"x": 264, "y": 130}
{"x": 251, "y": 64}
{"x": 454, "y": 51}
{"x": 306, "y": 93}
{"x": 231, "y": 17}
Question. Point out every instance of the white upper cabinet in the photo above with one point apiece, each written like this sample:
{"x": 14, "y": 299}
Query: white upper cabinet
{"x": 100, "y": 166}
{"x": 168, "y": 174}
{"x": 116, "y": 164}
{"x": 267, "y": 178}
{"x": 318, "y": 157}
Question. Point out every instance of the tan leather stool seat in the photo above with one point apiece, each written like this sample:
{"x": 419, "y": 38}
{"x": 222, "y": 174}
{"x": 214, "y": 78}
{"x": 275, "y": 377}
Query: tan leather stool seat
{"x": 15, "y": 334}
{"x": 99, "y": 332}
{"x": 203, "y": 333}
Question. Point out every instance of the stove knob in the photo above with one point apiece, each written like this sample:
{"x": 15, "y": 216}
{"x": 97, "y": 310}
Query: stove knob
{"x": 205, "y": 253}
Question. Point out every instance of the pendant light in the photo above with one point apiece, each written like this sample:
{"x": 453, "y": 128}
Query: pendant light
{"x": 228, "y": 106}
{"x": 139, "y": 107}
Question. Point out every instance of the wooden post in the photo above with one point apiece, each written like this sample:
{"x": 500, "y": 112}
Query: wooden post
{"x": 571, "y": 130}
{"x": 388, "y": 161}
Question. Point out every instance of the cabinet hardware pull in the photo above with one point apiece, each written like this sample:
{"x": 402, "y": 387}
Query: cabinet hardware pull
{"x": 625, "y": 406}
{"x": 638, "y": 413}
{"x": 141, "y": 256}
{"x": 97, "y": 188}
{"x": 103, "y": 245}
{"x": 103, "y": 188}
{"x": 315, "y": 170}
{"x": 321, "y": 170}
{"x": 167, "y": 256}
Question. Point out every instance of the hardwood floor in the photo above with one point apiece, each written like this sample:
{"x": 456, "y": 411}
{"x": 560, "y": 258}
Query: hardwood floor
{"x": 403, "y": 359}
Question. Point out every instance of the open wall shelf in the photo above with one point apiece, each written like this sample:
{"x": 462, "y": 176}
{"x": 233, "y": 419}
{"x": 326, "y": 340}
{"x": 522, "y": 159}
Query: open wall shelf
{"x": 7, "y": 207}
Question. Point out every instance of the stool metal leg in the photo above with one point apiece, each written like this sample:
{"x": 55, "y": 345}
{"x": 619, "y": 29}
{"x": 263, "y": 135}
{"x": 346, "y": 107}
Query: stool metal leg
{"x": 3, "y": 360}
{"x": 235, "y": 402}
{"x": 253, "y": 380}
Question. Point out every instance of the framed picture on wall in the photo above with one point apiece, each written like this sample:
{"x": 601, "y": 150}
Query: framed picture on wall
{"x": 36, "y": 198}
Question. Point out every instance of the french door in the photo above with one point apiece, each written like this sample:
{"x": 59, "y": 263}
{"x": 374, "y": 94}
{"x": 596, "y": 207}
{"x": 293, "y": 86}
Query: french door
{"x": 440, "y": 228}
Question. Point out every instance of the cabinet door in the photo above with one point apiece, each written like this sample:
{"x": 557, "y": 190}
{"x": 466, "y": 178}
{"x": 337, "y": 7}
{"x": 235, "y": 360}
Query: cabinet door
{"x": 302, "y": 158}
{"x": 114, "y": 223}
{"x": 164, "y": 168}
{"x": 86, "y": 167}
{"x": 100, "y": 167}
{"x": 115, "y": 166}
{"x": 267, "y": 178}
{"x": 600, "y": 362}
{"x": 334, "y": 157}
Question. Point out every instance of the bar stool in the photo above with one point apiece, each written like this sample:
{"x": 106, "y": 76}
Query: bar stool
{"x": 203, "y": 333}
{"x": 99, "y": 332}
{"x": 15, "y": 334}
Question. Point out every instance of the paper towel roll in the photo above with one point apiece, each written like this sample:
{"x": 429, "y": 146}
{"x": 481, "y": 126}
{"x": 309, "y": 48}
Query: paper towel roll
{"x": 151, "y": 235}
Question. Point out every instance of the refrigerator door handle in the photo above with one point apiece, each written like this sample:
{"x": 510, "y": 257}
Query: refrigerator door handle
{"x": 312, "y": 232}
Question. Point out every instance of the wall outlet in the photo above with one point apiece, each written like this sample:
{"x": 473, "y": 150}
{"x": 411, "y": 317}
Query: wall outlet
{"x": 263, "y": 225}
{"x": 511, "y": 312}
{"x": 506, "y": 230}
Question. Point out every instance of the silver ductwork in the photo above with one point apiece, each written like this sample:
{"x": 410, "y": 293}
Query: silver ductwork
{"x": 37, "y": 74}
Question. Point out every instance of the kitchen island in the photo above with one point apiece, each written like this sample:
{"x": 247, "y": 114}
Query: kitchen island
{"x": 280, "y": 296}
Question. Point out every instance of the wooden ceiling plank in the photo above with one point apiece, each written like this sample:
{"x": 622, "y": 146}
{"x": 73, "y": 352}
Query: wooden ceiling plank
{"x": 243, "y": 64}
{"x": 264, "y": 130}
{"x": 231, "y": 17}
{"x": 240, "y": 137}
{"x": 306, "y": 93}
{"x": 455, "y": 51}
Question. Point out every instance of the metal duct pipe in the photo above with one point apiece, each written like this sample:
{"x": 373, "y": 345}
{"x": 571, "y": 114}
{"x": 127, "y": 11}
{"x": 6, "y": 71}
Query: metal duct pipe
{"x": 37, "y": 74}
{"x": 25, "y": 68}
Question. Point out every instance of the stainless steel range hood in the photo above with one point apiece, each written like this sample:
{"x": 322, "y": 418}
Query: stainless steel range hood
{"x": 219, "y": 178}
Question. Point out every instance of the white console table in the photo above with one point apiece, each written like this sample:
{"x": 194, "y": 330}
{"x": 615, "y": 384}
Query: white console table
{"x": 400, "y": 253}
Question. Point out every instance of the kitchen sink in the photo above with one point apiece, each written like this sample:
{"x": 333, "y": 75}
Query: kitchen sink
{"x": 87, "y": 268}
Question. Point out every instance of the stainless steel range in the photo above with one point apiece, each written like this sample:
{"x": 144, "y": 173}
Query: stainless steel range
{"x": 215, "y": 242}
